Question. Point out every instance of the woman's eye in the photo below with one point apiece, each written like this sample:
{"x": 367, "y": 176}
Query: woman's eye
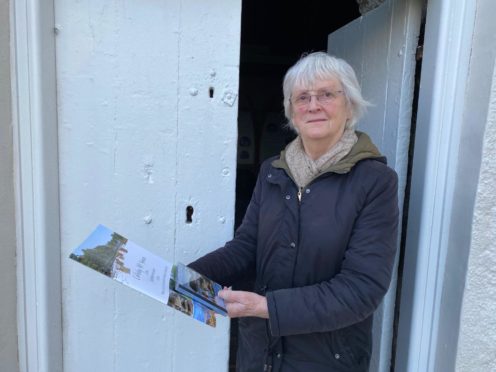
{"x": 302, "y": 98}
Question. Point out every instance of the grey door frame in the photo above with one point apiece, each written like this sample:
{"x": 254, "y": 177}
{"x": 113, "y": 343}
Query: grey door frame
{"x": 429, "y": 308}
{"x": 34, "y": 101}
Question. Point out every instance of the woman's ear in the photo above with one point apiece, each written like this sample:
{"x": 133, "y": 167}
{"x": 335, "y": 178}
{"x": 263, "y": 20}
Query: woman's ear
{"x": 349, "y": 111}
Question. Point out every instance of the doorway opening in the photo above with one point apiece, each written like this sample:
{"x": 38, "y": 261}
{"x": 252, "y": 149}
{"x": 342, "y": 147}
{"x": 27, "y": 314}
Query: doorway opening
{"x": 273, "y": 37}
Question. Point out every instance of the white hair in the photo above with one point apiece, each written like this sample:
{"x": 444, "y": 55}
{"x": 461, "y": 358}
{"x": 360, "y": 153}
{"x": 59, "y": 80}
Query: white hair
{"x": 322, "y": 66}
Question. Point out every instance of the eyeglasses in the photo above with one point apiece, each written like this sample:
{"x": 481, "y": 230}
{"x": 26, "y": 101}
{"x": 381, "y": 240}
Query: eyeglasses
{"x": 324, "y": 97}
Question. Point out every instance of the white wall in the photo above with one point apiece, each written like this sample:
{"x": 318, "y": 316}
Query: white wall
{"x": 8, "y": 333}
{"x": 466, "y": 279}
{"x": 140, "y": 139}
{"x": 477, "y": 340}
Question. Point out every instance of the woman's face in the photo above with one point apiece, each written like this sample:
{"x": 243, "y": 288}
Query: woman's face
{"x": 320, "y": 112}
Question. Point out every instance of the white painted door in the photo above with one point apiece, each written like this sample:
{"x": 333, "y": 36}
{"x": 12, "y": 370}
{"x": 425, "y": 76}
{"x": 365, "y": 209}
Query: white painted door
{"x": 147, "y": 112}
{"x": 381, "y": 47}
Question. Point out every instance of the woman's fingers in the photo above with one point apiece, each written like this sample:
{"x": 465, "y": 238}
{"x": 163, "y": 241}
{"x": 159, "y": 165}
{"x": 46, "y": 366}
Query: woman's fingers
{"x": 242, "y": 303}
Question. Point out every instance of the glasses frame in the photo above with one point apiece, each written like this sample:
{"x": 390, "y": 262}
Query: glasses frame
{"x": 323, "y": 97}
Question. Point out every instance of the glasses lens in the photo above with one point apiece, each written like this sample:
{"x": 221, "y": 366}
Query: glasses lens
{"x": 302, "y": 100}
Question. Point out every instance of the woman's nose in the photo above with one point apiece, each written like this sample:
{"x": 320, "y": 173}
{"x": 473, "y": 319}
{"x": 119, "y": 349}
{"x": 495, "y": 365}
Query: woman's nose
{"x": 313, "y": 104}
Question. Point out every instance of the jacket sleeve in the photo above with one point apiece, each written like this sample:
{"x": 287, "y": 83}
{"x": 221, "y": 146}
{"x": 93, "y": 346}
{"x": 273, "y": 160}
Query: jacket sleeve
{"x": 355, "y": 292}
{"x": 236, "y": 260}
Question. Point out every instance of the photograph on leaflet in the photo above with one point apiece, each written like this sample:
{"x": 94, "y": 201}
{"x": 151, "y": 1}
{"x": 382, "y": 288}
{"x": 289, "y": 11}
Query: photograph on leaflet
{"x": 200, "y": 288}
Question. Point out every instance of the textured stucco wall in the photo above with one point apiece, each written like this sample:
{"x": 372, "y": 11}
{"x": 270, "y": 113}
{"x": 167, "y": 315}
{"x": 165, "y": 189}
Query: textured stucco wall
{"x": 477, "y": 342}
{"x": 8, "y": 329}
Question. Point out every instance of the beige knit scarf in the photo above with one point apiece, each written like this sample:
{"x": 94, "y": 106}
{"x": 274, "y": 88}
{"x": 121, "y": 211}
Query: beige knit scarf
{"x": 304, "y": 169}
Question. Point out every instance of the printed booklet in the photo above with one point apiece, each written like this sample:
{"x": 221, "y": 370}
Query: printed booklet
{"x": 200, "y": 288}
{"x": 177, "y": 286}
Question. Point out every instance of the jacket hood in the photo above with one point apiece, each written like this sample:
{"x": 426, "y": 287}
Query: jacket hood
{"x": 363, "y": 149}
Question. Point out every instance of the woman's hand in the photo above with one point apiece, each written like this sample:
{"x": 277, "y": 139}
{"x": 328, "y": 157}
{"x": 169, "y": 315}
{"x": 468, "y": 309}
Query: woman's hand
{"x": 241, "y": 303}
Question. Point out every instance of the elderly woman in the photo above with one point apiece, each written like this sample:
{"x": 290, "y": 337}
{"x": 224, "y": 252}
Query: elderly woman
{"x": 320, "y": 233}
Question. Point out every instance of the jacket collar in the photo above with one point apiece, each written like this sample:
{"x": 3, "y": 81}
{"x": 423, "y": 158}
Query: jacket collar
{"x": 363, "y": 149}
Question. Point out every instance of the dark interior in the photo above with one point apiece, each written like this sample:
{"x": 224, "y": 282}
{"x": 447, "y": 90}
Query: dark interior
{"x": 274, "y": 35}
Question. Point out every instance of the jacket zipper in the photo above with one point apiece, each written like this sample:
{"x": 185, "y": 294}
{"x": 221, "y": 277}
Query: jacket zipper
{"x": 299, "y": 194}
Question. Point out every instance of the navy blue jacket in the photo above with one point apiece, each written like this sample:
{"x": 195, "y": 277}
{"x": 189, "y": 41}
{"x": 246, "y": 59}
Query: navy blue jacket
{"x": 324, "y": 263}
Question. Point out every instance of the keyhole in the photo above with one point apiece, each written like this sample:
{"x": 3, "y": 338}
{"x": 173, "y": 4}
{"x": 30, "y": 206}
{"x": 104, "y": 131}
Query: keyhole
{"x": 189, "y": 214}
{"x": 211, "y": 92}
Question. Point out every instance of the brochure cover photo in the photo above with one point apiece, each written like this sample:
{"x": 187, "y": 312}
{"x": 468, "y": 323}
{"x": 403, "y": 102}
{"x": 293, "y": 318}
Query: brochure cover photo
{"x": 120, "y": 259}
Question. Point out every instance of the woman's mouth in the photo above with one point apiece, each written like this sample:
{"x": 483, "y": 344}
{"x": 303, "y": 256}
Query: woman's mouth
{"x": 315, "y": 120}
